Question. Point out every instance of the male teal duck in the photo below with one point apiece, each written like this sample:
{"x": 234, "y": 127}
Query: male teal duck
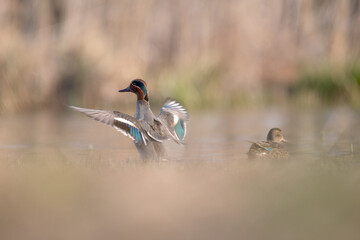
{"x": 147, "y": 131}
{"x": 269, "y": 149}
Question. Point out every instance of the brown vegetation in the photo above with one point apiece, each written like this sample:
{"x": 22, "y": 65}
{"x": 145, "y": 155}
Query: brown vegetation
{"x": 82, "y": 51}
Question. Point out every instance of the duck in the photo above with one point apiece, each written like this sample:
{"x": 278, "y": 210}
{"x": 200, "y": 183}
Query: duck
{"x": 269, "y": 149}
{"x": 147, "y": 131}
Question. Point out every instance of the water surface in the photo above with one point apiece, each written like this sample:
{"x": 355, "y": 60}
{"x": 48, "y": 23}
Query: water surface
{"x": 71, "y": 177}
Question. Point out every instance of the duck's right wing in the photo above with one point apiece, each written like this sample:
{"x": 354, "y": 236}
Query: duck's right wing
{"x": 175, "y": 118}
{"x": 122, "y": 122}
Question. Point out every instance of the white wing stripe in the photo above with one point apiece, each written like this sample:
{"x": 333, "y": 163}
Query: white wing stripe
{"x": 176, "y": 118}
{"x": 126, "y": 133}
{"x": 125, "y": 121}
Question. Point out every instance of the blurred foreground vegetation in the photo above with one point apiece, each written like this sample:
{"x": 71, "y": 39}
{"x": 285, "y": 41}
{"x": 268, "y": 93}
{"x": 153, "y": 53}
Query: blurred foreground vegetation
{"x": 297, "y": 199}
{"x": 204, "y": 53}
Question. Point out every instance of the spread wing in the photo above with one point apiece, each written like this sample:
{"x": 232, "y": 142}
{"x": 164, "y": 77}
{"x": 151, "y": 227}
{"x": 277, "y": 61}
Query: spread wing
{"x": 122, "y": 122}
{"x": 175, "y": 118}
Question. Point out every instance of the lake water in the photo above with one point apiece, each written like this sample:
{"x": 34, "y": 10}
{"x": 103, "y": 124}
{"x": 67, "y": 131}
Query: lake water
{"x": 211, "y": 136}
{"x": 69, "y": 177}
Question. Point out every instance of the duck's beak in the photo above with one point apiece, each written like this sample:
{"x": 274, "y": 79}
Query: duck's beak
{"x": 125, "y": 90}
{"x": 284, "y": 140}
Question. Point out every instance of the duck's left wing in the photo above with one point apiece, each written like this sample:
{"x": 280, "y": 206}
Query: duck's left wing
{"x": 263, "y": 145}
{"x": 175, "y": 118}
{"x": 122, "y": 122}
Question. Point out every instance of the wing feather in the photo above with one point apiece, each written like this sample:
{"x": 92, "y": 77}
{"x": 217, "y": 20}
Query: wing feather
{"x": 122, "y": 122}
{"x": 175, "y": 118}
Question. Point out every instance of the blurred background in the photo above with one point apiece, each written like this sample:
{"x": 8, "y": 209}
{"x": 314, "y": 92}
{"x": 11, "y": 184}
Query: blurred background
{"x": 204, "y": 53}
{"x": 239, "y": 67}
